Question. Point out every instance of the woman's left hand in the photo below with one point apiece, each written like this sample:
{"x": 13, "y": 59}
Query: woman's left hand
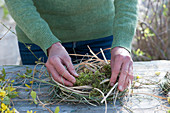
{"x": 121, "y": 63}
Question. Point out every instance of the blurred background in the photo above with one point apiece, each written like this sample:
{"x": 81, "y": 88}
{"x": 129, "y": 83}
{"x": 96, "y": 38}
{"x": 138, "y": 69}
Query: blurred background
{"x": 150, "y": 42}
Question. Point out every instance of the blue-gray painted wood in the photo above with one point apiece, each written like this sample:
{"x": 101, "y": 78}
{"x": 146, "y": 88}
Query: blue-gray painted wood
{"x": 137, "y": 103}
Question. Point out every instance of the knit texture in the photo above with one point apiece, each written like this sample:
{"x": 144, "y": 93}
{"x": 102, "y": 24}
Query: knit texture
{"x": 45, "y": 22}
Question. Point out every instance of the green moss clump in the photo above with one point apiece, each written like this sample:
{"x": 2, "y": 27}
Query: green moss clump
{"x": 87, "y": 76}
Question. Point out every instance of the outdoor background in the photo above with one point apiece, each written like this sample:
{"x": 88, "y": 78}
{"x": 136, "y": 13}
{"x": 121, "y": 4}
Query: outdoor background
{"x": 150, "y": 42}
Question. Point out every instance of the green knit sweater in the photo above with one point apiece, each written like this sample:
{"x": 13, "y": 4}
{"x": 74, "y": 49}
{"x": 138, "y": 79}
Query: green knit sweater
{"x": 44, "y": 22}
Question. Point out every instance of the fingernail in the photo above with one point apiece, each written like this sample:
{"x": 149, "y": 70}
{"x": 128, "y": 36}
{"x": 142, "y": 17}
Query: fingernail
{"x": 121, "y": 88}
{"x": 76, "y": 74}
{"x": 73, "y": 81}
{"x": 112, "y": 84}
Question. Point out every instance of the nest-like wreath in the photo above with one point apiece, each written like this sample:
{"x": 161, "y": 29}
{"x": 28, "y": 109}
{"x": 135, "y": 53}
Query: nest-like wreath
{"x": 92, "y": 85}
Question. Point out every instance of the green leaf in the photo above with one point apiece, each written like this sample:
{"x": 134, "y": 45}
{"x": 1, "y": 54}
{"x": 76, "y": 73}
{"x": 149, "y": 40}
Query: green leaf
{"x": 33, "y": 94}
{"x": 6, "y": 100}
{"x": 35, "y": 101}
{"x": 168, "y": 111}
{"x": 3, "y": 72}
{"x": 165, "y": 11}
{"x": 57, "y": 109}
{"x": 2, "y": 77}
{"x": 13, "y": 94}
{"x": 5, "y": 11}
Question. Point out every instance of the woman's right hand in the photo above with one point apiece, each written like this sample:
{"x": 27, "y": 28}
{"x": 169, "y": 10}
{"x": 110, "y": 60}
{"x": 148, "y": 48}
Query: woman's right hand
{"x": 58, "y": 58}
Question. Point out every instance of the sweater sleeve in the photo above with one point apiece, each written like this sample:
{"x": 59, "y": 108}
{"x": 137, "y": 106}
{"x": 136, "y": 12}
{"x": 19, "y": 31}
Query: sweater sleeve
{"x": 28, "y": 19}
{"x": 124, "y": 23}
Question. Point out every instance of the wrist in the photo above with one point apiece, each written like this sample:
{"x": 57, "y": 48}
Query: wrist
{"x": 55, "y": 45}
{"x": 118, "y": 48}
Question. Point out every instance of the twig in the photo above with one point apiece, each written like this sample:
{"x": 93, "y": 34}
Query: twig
{"x": 43, "y": 105}
{"x": 150, "y": 95}
{"x": 76, "y": 91}
{"x": 89, "y": 102}
{"x": 162, "y": 42}
{"x": 82, "y": 87}
{"x": 103, "y": 97}
{"x": 104, "y": 56}
{"x": 115, "y": 98}
{"x": 5, "y": 34}
{"x": 93, "y": 53}
{"x": 109, "y": 92}
{"x": 34, "y": 73}
{"x": 90, "y": 69}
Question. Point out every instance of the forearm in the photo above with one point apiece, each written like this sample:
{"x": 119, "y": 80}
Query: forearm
{"x": 124, "y": 23}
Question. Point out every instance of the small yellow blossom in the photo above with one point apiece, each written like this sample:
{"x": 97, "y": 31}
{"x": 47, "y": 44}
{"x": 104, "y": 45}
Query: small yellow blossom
{"x": 12, "y": 81}
{"x": 168, "y": 99}
{"x": 27, "y": 86}
{"x": 8, "y": 111}
{"x": 3, "y": 106}
{"x": 2, "y": 99}
{"x": 14, "y": 110}
{"x": 164, "y": 6}
{"x": 31, "y": 111}
{"x": 157, "y": 73}
{"x": 138, "y": 77}
{"x": 2, "y": 93}
{"x": 12, "y": 89}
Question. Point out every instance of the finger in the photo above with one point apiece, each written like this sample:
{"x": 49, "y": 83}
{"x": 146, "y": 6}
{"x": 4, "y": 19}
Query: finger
{"x": 112, "y": 63}
{"x": 70, "y": 68}
{"x": 129, "y": 76}
{"x": 126, "y": 82}
{"x": 123, "y": 74}
{"x": 59, "y": 78}
{"x": 115, "y": 70}
{"x": 131, "y": 71}
{"x": 62, "y": 71}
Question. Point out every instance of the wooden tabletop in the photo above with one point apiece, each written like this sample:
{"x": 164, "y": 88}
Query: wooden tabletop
{"x": 143, "y": 100}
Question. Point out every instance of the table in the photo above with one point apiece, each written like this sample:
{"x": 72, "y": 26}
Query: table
{"x": 139, "y": 102}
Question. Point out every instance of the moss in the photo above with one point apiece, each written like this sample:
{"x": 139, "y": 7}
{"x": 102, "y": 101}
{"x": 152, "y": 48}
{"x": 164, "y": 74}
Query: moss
{"x": 88, "y": 77}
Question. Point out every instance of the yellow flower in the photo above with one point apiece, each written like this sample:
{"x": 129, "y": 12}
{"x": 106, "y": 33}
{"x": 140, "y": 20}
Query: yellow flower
{"x": 3, "y": 106}
{"x": 157, "y": 73}
{"x": 14, "y": 110}
{"x": 168, "y": 99}
{"x": 31, "y": 111}
{"x": 138, "y": 77}
{"x": 12, "y": 89}
{"x": 12, "y": 81}
{"x": 2, "y": 93}
{"x": 8, "y": 111}
{"x": 2, "y": 99}
{"x": 27, "y": 86}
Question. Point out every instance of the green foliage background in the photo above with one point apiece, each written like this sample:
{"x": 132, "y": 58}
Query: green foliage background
{"x": 151, "y": 39}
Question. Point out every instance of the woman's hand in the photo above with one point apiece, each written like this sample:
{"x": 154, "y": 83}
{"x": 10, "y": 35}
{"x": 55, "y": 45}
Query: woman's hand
{"x": 57, "y": 59}
{"x": 121, "y": 63}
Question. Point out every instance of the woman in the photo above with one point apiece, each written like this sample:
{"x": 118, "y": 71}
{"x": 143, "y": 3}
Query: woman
{"x": 58, "y": 27}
